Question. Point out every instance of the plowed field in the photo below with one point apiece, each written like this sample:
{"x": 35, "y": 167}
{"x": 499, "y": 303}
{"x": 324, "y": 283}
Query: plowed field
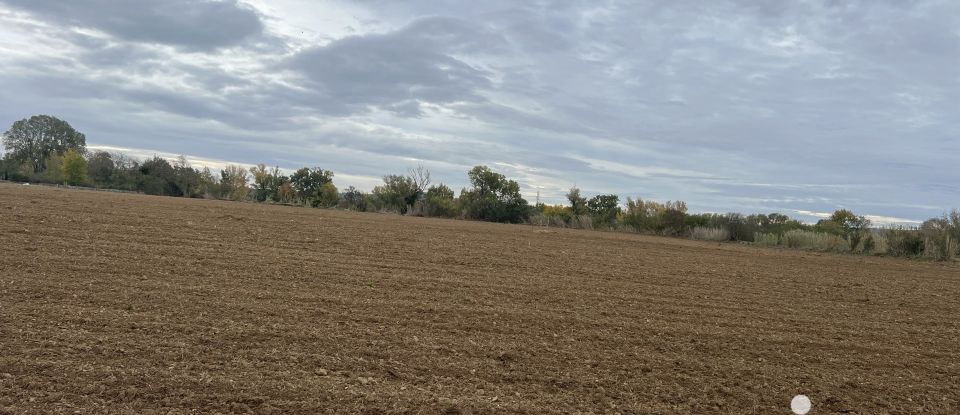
{"x": 119, "y": 303}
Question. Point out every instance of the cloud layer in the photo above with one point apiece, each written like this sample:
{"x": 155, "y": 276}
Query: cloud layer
{"x": 799, "y": 107}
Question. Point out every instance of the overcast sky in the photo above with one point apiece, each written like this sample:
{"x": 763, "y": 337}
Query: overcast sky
{"x": 750, "y": 106}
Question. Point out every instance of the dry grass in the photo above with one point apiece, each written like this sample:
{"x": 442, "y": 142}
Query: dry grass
{"x": 814, "y": 241}
{"x": 710, "y": 234}
{"x": 766, "y": 239}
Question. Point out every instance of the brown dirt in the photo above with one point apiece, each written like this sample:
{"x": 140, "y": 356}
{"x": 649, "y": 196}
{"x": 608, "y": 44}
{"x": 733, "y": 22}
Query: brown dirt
{"x": 118, "y": 303}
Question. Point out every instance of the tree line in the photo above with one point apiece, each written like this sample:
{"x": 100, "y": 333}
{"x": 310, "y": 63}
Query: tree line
{"x": 45, "y": 149}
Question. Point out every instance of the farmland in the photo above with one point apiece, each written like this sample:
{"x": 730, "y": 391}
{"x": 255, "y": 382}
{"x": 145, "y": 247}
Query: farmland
{"x": 124, "y": 303}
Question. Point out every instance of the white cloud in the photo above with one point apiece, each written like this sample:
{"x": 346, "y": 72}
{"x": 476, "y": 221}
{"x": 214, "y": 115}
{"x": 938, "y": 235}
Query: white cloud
{"x": 876, "y": 220}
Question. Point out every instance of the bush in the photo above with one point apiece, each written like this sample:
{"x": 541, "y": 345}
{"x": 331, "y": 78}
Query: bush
{"x": 653, "y": 217}
{"x": 538, "y": 219}
{"x": 815, "y": 241}
{"x": 938, "y": 243}
{"x": 11, "y": 169}
{"x": 397, "y": 193}
{"x": 542, "y": 219}
{"x": 710, "y": 234}
{"x": 581, "y": 222}
{"x": 493, "y": 198}
{"x": 552, "y": 215}
{"x": 326, "y": 197}
{"x": 745, "y": 228}
{"x": 353, "y": 199}
{"x": 766, "y": 239}
{"x": 904, "y": 242}
{"x": 880, "y": 243}
{"x": 438, "y": 201}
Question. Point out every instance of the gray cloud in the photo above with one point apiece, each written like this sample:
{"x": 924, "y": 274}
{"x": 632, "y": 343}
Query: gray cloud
{"x": 729, "y": 105}
{"x": 399, "y": 70}
{"x": 203, "y": 25}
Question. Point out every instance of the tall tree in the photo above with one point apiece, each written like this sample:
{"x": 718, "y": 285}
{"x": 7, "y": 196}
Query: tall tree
{"x": 493, "y": 197}
{"x": 578, "y": 204}
{"x": 74, "y": 168}
{"x": 33, "y": 140}
{"x": 233, "y": 182}
{"x": 158, "y": 177}
{"x": 604, "y": 208}
{"x": 100, "y": 168}
{"x": 308, "y": 184}
{"x": 186, "y": 178}
{"x": 354, "y": 199}
{"x": 397, "y": 193}
{"x": 439, "y": 201}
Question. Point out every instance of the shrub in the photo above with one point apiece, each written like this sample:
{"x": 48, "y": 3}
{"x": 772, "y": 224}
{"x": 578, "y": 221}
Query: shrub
{"x": 710, "y": 234}
{"x": 938, "y": 242}
{"x": 766, "y": 239}
{"x": 539, "y": 219}
{"x": 815, "y": 241}
{"x": 745, "y": 228}
{"x": 438, "y": 201}
{"x": 845, "y": 223}
{"x": 652, "y": 217}
{"x": 353, "y": 199}
{"x": 880, "y": 243}
{"x": 581, "y": 222}
{"x": 328, "y": 196}
{"x": 904, "y": 242}
{"x": 554, "y": 215}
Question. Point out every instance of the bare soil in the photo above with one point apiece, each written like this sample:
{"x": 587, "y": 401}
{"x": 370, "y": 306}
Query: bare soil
{"x": 120, "y": 303}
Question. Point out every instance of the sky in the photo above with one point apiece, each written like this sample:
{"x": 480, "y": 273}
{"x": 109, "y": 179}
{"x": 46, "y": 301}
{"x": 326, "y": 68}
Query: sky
{"x": 800, "y": 107}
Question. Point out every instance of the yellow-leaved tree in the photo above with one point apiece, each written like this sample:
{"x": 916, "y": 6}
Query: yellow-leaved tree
{"x": 74, "y": 168}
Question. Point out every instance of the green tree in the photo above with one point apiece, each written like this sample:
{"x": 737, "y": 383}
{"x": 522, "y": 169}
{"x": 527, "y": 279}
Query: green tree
{"x": 33, "y": 140}
{"x": 578, "y": 204}
{"x": 400, "y": 193}
{"x": 493, "y": 197}
{"x": 53, "y": 168}
{"x": 847, "y": 224}
{"x": 233, "y": 183}
{"x": 397, "y": 193}
{"x": 439, "y": 201}
{"x": 328, "y": 196}
{"x": 100, "y": 168}
{"x": 668, "y": 218}
{"x": 186, "y": 179}
{"x": 267, "y": 183}
{"x": 74, "y": 168}
{"x": 354, "y": 199}
{"x": 11, "y": 169}
{"x": 262, "y": 182}
{"x": 209, "y": 184}
{"x": 604, "y": 209}
{"x": 308, "y": 183}
{"x": 158, "y": 177}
